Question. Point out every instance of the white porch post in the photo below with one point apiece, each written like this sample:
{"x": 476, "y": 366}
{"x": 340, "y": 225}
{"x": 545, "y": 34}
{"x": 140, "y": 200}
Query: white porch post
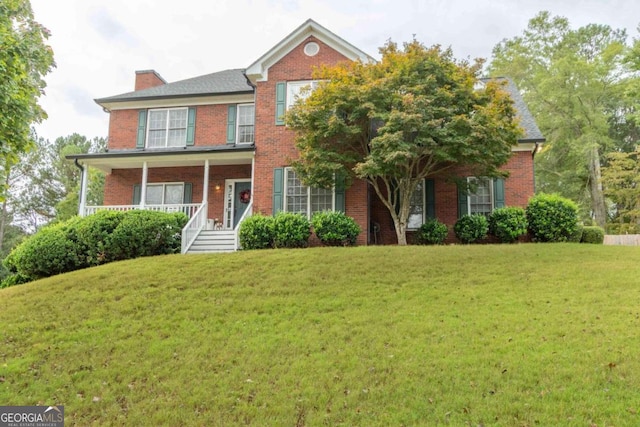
{"x": 83, "y": 190}
{"x": 205, "y": 186}
{"x": 143, "y": 188}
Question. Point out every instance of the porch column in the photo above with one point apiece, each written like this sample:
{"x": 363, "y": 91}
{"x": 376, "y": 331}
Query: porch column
{"x": 84, "y": 185}
{"x": 143, "y": 188}
{"x": 205, "y": 186}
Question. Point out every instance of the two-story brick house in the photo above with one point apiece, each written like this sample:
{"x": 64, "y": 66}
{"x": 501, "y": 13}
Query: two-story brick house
{"x": 216, "y": 148}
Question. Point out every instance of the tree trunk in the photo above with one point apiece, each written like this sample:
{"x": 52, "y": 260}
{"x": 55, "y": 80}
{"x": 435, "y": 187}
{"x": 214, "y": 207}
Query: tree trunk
{"x": 598, "y": 206}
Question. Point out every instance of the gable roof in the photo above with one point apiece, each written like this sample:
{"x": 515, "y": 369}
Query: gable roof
{"x": 258, "y": 71}
{"x": 527, "y": 122}
{"x": 225, "y": 82}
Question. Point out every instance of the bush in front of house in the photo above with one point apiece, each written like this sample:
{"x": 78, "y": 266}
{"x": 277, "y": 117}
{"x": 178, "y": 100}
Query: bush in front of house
{"x": 94, "y": 236}
{"x": 257, "y": 232}
{"x": 551, "y": 217}
{"x": 335, "y": 228}
{"x": 576, "y": 236}
{"x": 432, "y": 232}
{"x": 593, "y": 234}
{"x": 291, "y": 230}
{"x": 471, "y": 228}
{"x": 508, "y": 223}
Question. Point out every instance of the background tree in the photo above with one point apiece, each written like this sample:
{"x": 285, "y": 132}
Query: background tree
{"x": 621, "y": 178}
{"x": 24, "y": 61}
{"x": 414, "y": 114}
{"x": 572, "y": 83}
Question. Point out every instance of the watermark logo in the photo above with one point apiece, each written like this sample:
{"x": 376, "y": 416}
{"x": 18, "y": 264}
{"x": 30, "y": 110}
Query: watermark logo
{"x": 31, "y": 416}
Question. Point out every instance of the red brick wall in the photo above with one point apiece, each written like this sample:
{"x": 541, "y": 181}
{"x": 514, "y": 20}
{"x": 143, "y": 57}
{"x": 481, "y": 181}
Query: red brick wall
{"x": 119, "y": 184}
{"x": 275, "y": 145}
{"x": 146, "y": 79}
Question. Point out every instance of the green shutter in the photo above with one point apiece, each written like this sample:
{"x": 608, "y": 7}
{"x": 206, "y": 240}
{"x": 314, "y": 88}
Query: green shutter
{"x": 498, "y": 193}
{"x": 339, "y": 193}
{"x": 430, "y": 198}
{"x": 191, "y": 126}
{"x": 137, "y": 190}
{"x": 463, "y": 207}
{"x": 142, "y": 128}
{"x": 231, "y": 124}
{"x": 281, "y": 99}
{"x": 278, "y": 189}
{"x": 188, "y": 191}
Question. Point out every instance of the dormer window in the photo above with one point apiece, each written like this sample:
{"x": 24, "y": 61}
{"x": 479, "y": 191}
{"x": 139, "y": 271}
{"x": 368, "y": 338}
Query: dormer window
{"x": 167, "y": 128}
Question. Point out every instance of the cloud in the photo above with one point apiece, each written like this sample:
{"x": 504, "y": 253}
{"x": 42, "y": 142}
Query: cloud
{"x": 111, "y": 29}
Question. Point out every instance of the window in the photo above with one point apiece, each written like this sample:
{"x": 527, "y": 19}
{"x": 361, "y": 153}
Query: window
{"x": 299, "y": 90}
{"x": 246, "y": 121}
{"x": 481, "y": 200}
{"x": 306, "y": 200}
{"x": 167, "y": 128}
{"x": 416, "y": 208}
{"x": 165, "y": 194}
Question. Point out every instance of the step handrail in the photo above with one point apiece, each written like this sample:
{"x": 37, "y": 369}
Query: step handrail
{"x": 247, "y": 213}
{"x": 193, "y": 227}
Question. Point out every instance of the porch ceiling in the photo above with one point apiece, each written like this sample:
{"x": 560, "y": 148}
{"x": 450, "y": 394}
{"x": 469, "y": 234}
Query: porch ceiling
{"x": 133, "y": 159}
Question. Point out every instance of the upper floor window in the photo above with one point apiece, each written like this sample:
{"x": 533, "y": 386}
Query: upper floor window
{"x": 246, "y": 124}
{"x": 299, "y": 90}
{"x": 167, "y": 128}
{"x": 305, "y": 200}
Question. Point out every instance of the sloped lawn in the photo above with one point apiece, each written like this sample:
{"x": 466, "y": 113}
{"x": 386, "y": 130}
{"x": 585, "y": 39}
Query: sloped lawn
{"x": 500, "y": 335}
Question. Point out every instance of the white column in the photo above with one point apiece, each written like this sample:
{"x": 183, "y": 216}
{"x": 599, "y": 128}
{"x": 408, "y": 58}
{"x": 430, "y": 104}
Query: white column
{"x": 84, "y": 186}
{"x": 205, "y": 186}
{"x": 143, "y": 188}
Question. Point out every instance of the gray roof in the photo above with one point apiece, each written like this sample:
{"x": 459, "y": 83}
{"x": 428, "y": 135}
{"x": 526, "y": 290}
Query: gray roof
{"x": 527, "y": 122}
{"x": 220, "y": 83}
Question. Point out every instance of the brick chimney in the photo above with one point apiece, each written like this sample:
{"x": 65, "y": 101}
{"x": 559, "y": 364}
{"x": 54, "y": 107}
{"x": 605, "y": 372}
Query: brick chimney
{"x": 148, "y": 78}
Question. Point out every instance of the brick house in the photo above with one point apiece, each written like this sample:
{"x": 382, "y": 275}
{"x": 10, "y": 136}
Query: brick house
{"x": 216, "y": 148}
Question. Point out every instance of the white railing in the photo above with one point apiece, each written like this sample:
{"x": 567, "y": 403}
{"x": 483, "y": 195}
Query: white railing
{"x": 247, "y": 213}
{"x": 193, "y": 227}
{"x": 188, "y": 209}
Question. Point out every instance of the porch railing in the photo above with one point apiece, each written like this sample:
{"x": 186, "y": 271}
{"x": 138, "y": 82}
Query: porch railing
{"x": 247, "y": 213}
{"x": 193, "y": 227}
{"x": 188, "y": 209}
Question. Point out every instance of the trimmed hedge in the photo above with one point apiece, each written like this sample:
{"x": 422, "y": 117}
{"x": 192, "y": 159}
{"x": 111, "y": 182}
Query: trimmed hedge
{"x": 257, "y": 232}
{"x": 291, "y": 230}
{"x": 593, "y": 234}
{"x": 335, "y": 228}
{"x": 432, "y": 232}
{"x": 471, "y": 228}
{"x": 507, "y": 224}
{"x": 552, "y": 218}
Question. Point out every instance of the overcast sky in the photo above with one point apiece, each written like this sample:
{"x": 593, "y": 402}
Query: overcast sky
{"x": 98, "y": 44}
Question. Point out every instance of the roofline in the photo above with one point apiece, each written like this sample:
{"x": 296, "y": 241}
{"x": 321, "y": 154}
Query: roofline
{"x": 161, "y": 152}
{"x": 100, "y": 101}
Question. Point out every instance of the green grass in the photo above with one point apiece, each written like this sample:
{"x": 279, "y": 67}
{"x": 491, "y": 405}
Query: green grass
{"x": 500, "y": 335}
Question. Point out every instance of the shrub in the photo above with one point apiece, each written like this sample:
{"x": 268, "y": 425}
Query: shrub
{"x": 576, "y": 236}
{"x": 471, "y": 228}
{"x": 335, "y": 228}
{"x": 291, "y": 230}
{"x": 257, "y": 232}
{"x": 551, "y": 218}
{"x": 507, "y": 224}
{"x": 432, "y": 232}
{"x": 593, "y": 234}
{"x": 94, "y": 236}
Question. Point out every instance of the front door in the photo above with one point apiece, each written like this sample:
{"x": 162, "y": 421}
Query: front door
{"x": 238, "y": 196}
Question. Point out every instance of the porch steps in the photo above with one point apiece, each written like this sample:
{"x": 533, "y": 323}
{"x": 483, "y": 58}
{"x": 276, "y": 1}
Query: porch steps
{"x": 210, "y": 241}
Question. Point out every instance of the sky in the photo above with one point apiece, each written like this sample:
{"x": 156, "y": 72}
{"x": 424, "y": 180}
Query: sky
{"x": 99, "y": 44}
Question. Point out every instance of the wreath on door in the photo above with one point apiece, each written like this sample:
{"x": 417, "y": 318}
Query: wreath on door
{"x": 245, "y": 196}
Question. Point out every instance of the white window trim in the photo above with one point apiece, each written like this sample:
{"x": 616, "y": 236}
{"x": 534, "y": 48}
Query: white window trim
{"x": 286, "y": 195}
{"x": 238, "y": 106}
{"x": 491, "y": 195}
{"x": 166, "y": 139}
{"x": 289, "y": 102}
{"x": 164, "y": 184}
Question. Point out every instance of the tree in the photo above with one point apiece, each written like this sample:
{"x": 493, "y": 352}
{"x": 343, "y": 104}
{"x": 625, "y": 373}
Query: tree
{"x": 620, "y": 178}
{"x": 24, "y": 61}
{"x": 571, "y": 82}
{"x": 416, "y": 113}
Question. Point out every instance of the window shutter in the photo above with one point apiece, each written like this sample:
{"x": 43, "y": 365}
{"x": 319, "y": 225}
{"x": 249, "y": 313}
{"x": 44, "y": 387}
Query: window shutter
{"x": 463, "y": 207}
{"x": 498, "y": 193}
{"x": 191, "y": 125}
{"x": 339, "y": 193}
{"x": 137, "y": 190}
{"x": 278, "y": 189}
{"x": 142, "y": 128}
{"x": 188, "y": 191}
{"x": 231, "y": 124}
{"x": 281, "y": 99}
{"x": 430, "y": 198}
